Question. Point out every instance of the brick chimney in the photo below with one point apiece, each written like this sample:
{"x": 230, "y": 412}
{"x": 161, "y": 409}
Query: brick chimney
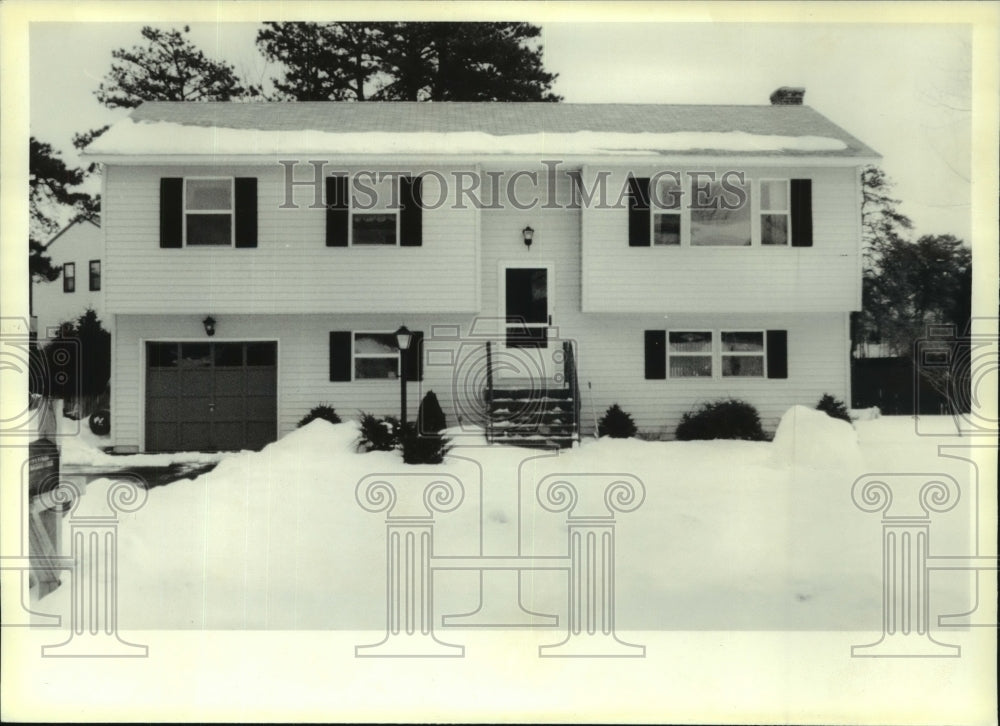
{"x": 788, "y": 96}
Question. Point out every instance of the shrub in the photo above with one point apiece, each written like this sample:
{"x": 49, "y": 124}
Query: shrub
{"x": 616, "y": 423}
{"x": 430, "y": 416}
{"x": 378, "y": 434}
{"x": 76, "y": 363}
{"x": 323, "y": 411}
{"x": 423, "y": 448}
{"x": 722, "y": 419}
{"x": 834, "y": 408}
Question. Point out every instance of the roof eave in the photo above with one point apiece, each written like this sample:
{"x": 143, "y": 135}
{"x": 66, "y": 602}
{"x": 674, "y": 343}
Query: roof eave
{"x": 494, "y": 160}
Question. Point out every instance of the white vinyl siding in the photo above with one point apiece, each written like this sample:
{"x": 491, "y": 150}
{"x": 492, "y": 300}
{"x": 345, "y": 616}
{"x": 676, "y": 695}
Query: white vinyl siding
{"x": 79, "y": 244}
{"x": 612, "y": 359}
{"x": 345, "y": 289}
{"x": 303, "y": 365}
{"x": 755, "y": 278}
{"x": 610, "y": 352}
{"x": 291, "y": 270}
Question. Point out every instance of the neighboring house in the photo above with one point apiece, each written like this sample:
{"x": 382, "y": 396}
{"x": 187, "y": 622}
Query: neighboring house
{"x": 732, "y": 273}
{"x": 79, "y": 249}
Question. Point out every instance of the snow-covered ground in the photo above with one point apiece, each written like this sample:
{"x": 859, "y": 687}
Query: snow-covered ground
{"x": 81, "y": 447}
{"x": 732, "y": 534}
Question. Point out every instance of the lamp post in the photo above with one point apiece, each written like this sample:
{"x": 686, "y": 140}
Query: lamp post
{"x": 403, "y": 339}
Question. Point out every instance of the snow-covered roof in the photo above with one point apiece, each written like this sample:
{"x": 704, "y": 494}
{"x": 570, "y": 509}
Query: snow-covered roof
{"x": 173, "y": 128}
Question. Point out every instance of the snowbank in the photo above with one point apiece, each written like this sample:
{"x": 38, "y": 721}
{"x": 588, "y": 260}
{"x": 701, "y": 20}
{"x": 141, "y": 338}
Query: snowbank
{"x": 730, "y": 535}
{"x": 865, "y": 414}
{"x": 144, "y": 137}
{"x": 810, "y": 438}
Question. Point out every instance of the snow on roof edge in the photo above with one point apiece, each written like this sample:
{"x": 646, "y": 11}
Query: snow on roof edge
{"x": 131, "y": 137}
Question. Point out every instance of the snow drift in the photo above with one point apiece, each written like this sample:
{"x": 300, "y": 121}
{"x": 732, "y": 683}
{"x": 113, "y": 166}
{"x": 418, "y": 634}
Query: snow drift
{"x": 811, "y": 438}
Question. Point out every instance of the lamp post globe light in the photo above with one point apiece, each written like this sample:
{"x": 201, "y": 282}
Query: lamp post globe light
{"x": 403, "y": 340}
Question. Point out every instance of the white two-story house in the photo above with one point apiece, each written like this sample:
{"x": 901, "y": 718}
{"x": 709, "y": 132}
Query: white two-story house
{"x": 260, "y": 257}
{"x": 79, "y": 249}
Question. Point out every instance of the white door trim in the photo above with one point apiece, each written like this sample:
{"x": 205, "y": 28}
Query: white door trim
{"x": 547, "y": 264}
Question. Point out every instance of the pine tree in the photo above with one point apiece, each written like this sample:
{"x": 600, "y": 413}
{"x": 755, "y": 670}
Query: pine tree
{"x": 430, "y": 416}
{"x": 322, "y": 61}
{"x": 40, "y": 264}
{"x": 465, "y": 62}
{"x": 53, "y": 202}
{"x": 918, "y": 284}
{"x": 883, "y": 227}
{"x": 82, "y": 140}
{"x": 168, "y": 68}
{"x": 408, "y": 61}
{"x": 51, "y": 193}
{"x": 881, "y": 221}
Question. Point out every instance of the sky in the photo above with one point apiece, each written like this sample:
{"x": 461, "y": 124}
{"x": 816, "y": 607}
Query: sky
{"x": 903, "y": 89}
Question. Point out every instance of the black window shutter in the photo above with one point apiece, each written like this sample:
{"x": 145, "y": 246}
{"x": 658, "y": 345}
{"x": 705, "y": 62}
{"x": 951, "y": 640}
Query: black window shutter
{"x": 411, "y": 215}
{"x": 802, "y": 214}
{"x": 414, "y": 358}
{"x": 638, "y": 212}
{"x": 171, "y": 211}
{"x": 656, "y": 354}
{"x": 777, "y": 354}
{"x": 246, "y": 211}
{"x": 340, "y": 355}
{"x": 336, "y": 211}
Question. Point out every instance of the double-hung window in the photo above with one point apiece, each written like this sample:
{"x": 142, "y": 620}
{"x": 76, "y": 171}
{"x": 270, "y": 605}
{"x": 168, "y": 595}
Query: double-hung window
{"x": 742, "y": 354}
{"x": 715, "y": 354}
{"x": 376, "y": 356}
{"x": 208, "y": 212}
{"x": 689, "y": 354}
{"x": 375, "y": 209}
{"x": 666, "y": 204}
{"x": 709, "y": 354}
{"x": 69, "y": 277}
{"x": 775, "y": 212}
{"x": 95, "y": 275}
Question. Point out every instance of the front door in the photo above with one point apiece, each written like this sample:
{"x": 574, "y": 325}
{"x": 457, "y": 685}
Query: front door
{"x": 530, "y": 346}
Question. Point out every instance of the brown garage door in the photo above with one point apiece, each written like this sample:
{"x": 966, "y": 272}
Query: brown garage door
{"x": 211, "y": 396}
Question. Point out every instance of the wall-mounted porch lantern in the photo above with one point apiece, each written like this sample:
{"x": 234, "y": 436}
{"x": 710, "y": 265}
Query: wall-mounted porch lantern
{"x": 528, "y": 234}
{"x": 209, "y": 323}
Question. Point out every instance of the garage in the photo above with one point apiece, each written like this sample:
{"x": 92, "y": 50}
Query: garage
{"x": 218, "y": 396}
